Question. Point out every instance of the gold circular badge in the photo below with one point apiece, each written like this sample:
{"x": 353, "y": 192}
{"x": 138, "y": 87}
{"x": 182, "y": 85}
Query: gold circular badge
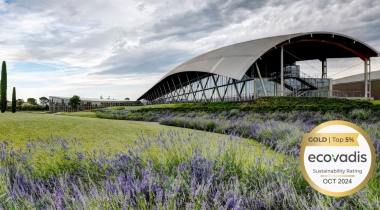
{"x": 337, "y": 158}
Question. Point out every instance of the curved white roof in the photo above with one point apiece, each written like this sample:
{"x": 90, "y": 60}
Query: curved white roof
{"x": 240, "y": 56}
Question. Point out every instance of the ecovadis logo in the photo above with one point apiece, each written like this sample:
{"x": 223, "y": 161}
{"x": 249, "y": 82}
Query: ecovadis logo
{"x": 343, "y": 158}
{"x": 337, "y": 158}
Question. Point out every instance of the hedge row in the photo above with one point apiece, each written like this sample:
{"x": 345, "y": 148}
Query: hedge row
{"x": 29, "y": 108}
{"x": 272, "y": 104}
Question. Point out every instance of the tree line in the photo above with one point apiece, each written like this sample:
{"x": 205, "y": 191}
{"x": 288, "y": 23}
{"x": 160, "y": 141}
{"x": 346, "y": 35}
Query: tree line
{"x": 17, "y": 104}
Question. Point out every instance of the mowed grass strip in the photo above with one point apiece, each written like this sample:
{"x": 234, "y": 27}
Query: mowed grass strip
{"x": 150, "y": 106}
{"x": 78, "y": 114}
{"x": 115, "y": 108}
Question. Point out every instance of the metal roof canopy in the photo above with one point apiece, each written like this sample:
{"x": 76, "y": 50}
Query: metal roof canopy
{"x": 375, "y": 75}
{"x": 233, "y": 61}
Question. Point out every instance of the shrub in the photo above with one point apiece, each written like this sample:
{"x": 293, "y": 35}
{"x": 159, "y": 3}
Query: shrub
{"x": 361, "y": 114}
{"x": 29, "y": 108}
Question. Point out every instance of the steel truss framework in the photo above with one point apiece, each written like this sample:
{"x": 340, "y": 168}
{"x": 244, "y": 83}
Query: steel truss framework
{"x": 208, "y": 88}
{"x": 214, "y": 88}
{"x": 179, "y": 88}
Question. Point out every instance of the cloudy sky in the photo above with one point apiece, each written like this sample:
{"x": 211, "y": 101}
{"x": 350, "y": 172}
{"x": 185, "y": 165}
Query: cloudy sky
{"x": 120, "y": 48}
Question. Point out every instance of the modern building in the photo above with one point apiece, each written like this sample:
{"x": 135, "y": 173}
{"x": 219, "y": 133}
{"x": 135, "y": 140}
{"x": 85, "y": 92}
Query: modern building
{"x": 60, "y": 104}
{"x": 353, "y": 86}
{"x": 262, "y": 67}
{"x": 9, "y": 103}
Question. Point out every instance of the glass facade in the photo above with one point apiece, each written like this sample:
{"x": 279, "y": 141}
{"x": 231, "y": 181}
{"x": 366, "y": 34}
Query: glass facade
{"x": 212, "y": 88}
{"x": 61, "y": 104}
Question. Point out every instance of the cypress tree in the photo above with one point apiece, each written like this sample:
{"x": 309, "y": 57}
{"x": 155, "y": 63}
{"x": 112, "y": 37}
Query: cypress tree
{"x": 14, "y": 100}
{"x": 3, "y": 88}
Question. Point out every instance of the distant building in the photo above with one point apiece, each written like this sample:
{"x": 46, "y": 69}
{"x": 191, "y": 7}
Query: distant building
{"x": 9, "y": 103}
{"x": 61, "y": 104}
{"x": 354, "y": 84}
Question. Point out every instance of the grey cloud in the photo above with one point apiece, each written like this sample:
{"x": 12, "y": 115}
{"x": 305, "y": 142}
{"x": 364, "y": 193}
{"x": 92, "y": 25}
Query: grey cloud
{"x": 369, "y": 4}
{"x": 369, "y": 17}
{"x": 205, "y": 19}
{"x": 192, "y": 25}
{"x": 42, "y": 48}
{"x": 276, "y": 3}
{"x": 173, "y": 34}
{"x": 6, "y": 40}
{"x": 322, "y": 4}
{"x": 368, "y": 34}
{"x": 97, "y": 40}
{"x": 141, "y": 7}
{"x": 153, "y": 61}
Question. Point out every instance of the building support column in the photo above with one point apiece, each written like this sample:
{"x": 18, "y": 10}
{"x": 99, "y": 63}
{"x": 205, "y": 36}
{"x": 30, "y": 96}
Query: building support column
{"x": 149, "y": 99}
{"x": 191, "y": 88}
{"x": 170, "y": 91}
{"x": 183, "y": 94}
{"x": 282, "y": 71}
{"x": 236, "y": 89}
{"x": 225, "y": 90}
{"x": 330, "y": 87}
{"x": 324, "y": 68}
{"x": 176, "y": 94}
{"x": 369, "y": 78}
{"x": 261, "y": 79}
{"x": 162, "y": 94}
{"x": 366, "y": 77}
{"x": 176, "y": 91}
{"x": 203, "y": 90}
{"x": 213, "y": 88}
{"x": 158, "y": 96}
{"x": 203, "y": 87}
{"x": 216, "y": 86}
{"x": 166, "y": 93}
{"x": 254, "y": 88}
{"x": 242, "y": 88}
{"x": 154, "y": 96}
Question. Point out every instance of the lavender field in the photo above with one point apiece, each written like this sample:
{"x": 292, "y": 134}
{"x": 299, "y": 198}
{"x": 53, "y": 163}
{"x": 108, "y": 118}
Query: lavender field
{"x": 170, "y": 171}
{"x": 177, "y": 169}
{"x": 282, "y": 131}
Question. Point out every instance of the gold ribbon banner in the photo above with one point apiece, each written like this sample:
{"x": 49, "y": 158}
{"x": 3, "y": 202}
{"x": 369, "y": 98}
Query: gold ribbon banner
{"x": 330, "y": 139}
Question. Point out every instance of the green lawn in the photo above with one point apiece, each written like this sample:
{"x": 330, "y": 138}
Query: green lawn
{"x": 161, "y": 145}
{"x": 21, "y": 126}
{"x": 114, "y": 135}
